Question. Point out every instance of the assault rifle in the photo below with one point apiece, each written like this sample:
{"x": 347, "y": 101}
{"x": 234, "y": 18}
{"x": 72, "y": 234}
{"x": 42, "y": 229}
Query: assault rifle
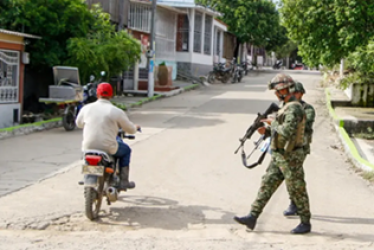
{"x": 250, "y": 131}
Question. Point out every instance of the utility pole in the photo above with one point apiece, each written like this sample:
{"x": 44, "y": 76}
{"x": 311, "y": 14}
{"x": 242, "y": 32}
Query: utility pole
{"x": 151, "y": 55}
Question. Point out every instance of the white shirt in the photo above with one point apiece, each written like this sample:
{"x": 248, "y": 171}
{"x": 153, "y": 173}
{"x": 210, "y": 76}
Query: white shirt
{"x": 100, "y": 122}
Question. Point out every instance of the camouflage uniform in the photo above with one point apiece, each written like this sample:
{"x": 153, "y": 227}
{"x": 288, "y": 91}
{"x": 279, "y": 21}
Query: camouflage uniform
{"x": 310, "y": 118}
{"x": 286, "y": 163}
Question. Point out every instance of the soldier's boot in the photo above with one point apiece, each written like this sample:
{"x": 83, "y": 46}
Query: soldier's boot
{"x": 124, "y": 177}
{"x": 249, "y": 220}
{"x": 302, "y": 228}
{"x": 291, "y": 210}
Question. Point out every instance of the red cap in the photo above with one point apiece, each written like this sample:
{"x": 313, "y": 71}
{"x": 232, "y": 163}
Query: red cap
{"x": 104, "y": 89}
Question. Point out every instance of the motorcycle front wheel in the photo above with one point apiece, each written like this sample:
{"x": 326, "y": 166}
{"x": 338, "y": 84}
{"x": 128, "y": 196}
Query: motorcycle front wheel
{"x": 93, "y": 199}
{"x": 211, "y": 78}
{"x": 240, "y": 76}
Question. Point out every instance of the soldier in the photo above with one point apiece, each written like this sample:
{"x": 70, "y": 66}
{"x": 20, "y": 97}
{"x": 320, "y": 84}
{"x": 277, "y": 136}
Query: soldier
{"x": 310, "y": 118}
{"x": 287, "y": 156}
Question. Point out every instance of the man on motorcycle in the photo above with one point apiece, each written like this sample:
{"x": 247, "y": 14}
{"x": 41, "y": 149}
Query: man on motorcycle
{"x": 100, "y": 122}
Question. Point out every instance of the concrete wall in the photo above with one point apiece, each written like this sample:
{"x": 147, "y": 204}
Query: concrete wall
{"x": 195, "y": 69}
{"x": 6, "y": 117}
{"x": 361, "y": 94}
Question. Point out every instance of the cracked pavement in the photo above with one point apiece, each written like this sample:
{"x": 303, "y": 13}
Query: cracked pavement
{"x": 189, "y": 183}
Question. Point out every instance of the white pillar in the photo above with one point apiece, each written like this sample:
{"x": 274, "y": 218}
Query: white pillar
{"x": 192, "y": 30}
{"x": 342, "y": 68}
{"x": 203, "y": 33}
{"x": 136, "y": 76}
{"x": 221, "y": 44}
{"x": 212, "y": 41}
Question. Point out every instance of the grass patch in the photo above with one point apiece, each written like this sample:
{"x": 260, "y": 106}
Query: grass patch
{"x": 365, "y": 136}
{"x": 10, "y": 129}
{"x": 138, "y": 103}
{"x": 368, "y": 175}
{"x": 191, "y": 86}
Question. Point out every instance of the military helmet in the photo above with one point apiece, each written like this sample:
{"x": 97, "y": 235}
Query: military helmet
{"x": 299, "y": 87}
{"x": 281, "y": 81}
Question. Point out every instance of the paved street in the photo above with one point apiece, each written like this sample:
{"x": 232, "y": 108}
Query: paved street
{"x": 189, "y": 182}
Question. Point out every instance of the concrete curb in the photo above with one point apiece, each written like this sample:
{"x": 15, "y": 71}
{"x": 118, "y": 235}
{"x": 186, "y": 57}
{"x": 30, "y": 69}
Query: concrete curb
{"x": 349, "y": 147}
{"x": 276, "y": 71}
{"x": 57, "y": 122}
{"x": 29, "y": 128}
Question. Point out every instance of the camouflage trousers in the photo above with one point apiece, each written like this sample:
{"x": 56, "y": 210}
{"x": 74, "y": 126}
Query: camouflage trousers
{"x": 290, "y": 169}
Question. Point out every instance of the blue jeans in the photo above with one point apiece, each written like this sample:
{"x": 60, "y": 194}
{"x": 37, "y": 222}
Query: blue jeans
{"x": 123, "y": 153}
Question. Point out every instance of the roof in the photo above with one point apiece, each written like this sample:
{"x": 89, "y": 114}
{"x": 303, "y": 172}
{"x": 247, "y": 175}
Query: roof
{"x": 165, "y": 6}
{"x": 8, "y": 32}
{"x": 187, "y": 4}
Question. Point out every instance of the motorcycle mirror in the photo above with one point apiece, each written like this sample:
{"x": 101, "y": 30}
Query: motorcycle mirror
{"x": 102, "y": 73}
{"x": 92, "y": 78}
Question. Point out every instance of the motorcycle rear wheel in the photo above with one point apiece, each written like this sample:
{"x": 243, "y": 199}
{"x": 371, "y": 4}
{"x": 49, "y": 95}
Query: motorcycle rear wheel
{"x": 225, "y": 78}
{"x": 68, "y": 121}
{"x": 92, "y": 201}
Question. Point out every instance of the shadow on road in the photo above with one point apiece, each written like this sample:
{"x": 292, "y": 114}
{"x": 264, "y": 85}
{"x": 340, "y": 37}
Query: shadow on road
{"x": 345, "y": 220}
{"x": 155, "y": 212}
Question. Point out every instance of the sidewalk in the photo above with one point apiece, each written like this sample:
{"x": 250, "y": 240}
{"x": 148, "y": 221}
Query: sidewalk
{"x": 350, "y": 120}
{"x": 123, "y": 102}
{"x": 267, "y": 69}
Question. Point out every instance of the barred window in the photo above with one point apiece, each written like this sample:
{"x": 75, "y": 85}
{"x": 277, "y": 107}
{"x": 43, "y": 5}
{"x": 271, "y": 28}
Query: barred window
{"x": 9, "y": 66}
{"x": 197, "y": 32}
{"x": 183, "y": 33}
{"x": 208, "y": 35}
{"x": 140, "y": 17}
{"x": 165, "y": 34}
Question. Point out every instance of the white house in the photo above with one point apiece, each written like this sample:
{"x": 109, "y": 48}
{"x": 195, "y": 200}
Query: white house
{"x": 200, "y": 37}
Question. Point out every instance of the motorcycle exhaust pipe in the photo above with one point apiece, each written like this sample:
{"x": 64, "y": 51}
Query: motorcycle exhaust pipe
{"x": 112, "y": 194}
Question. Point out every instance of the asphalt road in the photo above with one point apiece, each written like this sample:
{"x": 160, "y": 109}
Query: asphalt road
{"x": 189, "y": 183}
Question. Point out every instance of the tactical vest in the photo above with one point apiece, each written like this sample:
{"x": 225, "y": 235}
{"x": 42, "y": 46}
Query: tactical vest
{"x": 296, "y": 141}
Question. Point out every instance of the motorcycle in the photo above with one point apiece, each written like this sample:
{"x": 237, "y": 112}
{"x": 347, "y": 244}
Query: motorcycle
{"x": 238, "y": 72}
{"x": 71, "y": 110}
{"x": 247, "y": 66}
{"x": 101, "y": 178}
{"x": 278, "y": 64}
{"x": 220, "y": 72}
{"x": 298, "y": 66}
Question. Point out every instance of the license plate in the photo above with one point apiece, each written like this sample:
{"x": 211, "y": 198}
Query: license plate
{"x": 94, "y": 170}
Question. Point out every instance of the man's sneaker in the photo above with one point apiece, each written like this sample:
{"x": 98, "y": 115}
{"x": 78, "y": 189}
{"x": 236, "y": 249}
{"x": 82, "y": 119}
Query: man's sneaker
{"x": 249, "y": 221}
{"x": 291, "y": 210}
{"x": 302, "y": 228}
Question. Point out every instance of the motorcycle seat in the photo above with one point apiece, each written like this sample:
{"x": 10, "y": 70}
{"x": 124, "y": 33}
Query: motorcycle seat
{"x": 105, "y": 155}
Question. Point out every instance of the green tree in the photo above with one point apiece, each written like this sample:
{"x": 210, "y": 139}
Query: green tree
{"x": 55, "y": 21}
{"x": 103, "y": 49}
{"x": 252, "y": 21}
{"x": 71, "y": 34}
{"x": 328, "y": 30}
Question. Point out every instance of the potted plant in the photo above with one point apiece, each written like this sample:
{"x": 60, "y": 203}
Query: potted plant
{"x": 163, "y": 73}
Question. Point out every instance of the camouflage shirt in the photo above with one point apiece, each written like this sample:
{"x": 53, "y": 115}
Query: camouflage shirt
{"x": 310, "y": 118}
{"x": 287, "y": 122}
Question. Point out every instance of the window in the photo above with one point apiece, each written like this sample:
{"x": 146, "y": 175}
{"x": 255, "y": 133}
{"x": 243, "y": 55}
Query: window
{"x": 218, "y": 43}
{"x": 183, "y": 35}
{"x": 140, "y": 17}
{"x": 208, "y": 35}
{"x": 9, "y": 65}
{"x": 165, "y": 34}
{"x": 197, "y": 32}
